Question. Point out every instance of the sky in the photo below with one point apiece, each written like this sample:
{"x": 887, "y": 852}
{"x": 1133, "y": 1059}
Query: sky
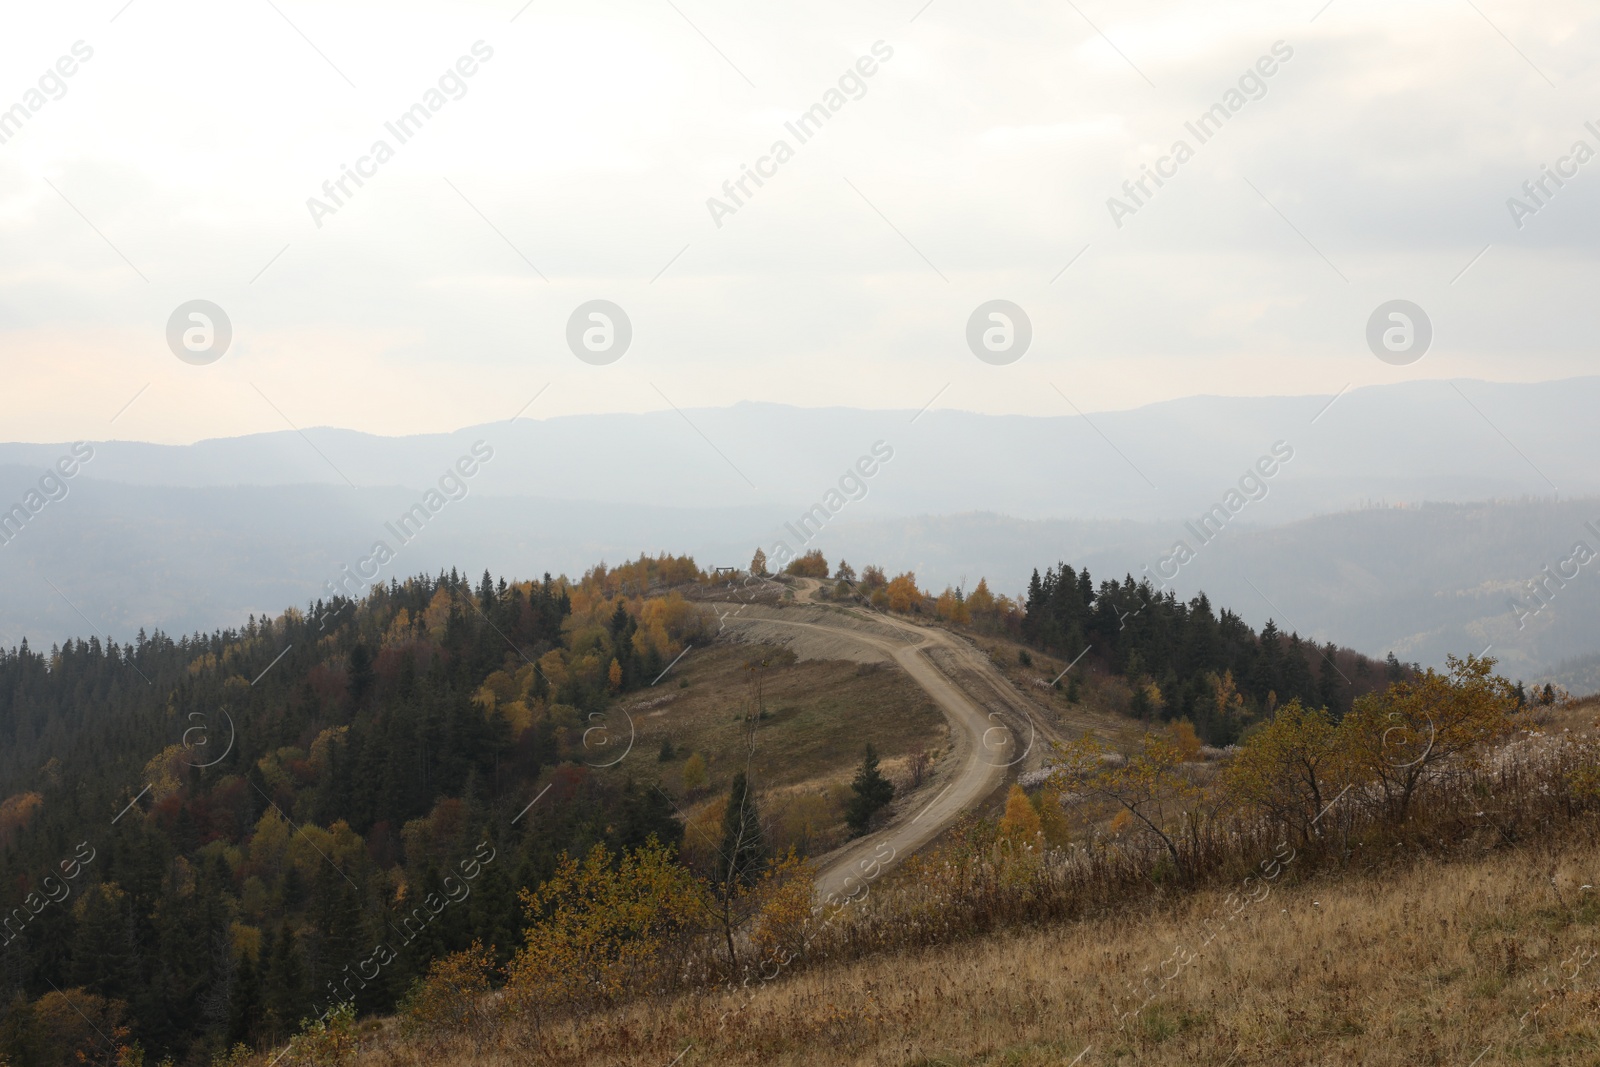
{"x": 584, "y": 158}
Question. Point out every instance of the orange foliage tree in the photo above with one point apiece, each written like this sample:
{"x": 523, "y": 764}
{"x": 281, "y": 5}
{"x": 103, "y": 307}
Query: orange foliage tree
{"x": 811, "y": 565}
{"x": 903, "y": 592}
{"x": 1021, "y": 821}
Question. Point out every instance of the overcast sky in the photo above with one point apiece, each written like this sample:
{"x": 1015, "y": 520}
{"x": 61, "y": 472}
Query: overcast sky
{"x": 974, "y": 163}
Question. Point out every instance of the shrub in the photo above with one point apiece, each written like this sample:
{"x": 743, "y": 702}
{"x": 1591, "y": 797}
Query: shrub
{"x": 810, "y": 565}
{"x": 783, "y": 914}
{"x": 237, "y": 1056}
{"x": 450, "y": 997}
{"x": 326, "y": 1042}
{"x": 1186, "y": 739}
{"x": 599, "y": 929}
{"x": 695, "y": 777}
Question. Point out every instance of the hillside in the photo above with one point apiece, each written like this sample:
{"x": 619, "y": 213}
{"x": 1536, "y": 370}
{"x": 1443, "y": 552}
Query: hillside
{"x": 1489, "y": 960}
{"x": 204, "y": 838}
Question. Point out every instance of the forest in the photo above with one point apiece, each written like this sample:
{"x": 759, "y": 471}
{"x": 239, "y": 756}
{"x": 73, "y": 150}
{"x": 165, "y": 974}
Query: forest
{"x": 203, "y": 838}
{"x": 1185, "y": 660}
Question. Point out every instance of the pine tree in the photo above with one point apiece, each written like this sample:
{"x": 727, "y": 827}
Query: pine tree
{"x": 872, "y": 791}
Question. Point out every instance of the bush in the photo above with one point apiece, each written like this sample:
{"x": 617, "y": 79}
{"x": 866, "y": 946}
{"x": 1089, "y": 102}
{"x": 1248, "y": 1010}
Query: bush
{"x": 783, "y": 916}
{"x": 450, "y": 998}
{"x": 810, "y": 565}
{"x": 326, "y": 1042}
{"x": 237, "y": 1056}
{"x": 599, "y": 930}
{"x": 695, "y": 777}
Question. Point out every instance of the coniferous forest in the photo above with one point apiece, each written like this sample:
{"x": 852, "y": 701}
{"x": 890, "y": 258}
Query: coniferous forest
{"x": 1186, "y": 660}
{"x": 207, "y": 839}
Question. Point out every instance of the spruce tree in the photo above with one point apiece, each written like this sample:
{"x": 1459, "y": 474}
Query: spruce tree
{"x": 286, "y": 995}
{"x": 872, "y": 791}
{"x": 744, "y": 851}
{"x": 244, "y": 1007}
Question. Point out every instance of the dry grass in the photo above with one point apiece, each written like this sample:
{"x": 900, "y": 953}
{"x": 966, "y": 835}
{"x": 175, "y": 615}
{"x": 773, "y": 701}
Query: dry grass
{"x": 1466, "y": 936}
{"x": 1102, "y": 700}
{"x": 1429, "y": 964}
{"x": 820, "y": 714}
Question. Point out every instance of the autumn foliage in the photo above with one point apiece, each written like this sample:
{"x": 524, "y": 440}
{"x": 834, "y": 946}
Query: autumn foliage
{"x": 600, "y": 929}
{"x": 811, "y": 564}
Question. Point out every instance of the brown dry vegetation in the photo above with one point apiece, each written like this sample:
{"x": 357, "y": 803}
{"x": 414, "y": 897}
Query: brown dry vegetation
{"x": 820, "y": 715}
{"x": 1428, "y": 963}
{"x": 1466, "y": 930}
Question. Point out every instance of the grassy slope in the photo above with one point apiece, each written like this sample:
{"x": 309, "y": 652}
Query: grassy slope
{"x": 1431, "y": 964}
{"x": 820, "y": 715}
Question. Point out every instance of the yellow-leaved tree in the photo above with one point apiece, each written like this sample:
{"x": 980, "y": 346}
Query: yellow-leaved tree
{"x": 1292, "y": 768}
{"x": 600, "y": 929}
{"x": 1021, "y": 821}
{"x": 783, "y": 913}
{"x": 951, "y": 607}
{"x": 903, "y": 592}
{"x": 1405, "y": 736}
{"x": 1148, "y": 785}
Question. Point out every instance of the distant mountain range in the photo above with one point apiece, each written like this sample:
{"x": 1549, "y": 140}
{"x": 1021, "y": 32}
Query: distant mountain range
{"x": 1278, "y": 499}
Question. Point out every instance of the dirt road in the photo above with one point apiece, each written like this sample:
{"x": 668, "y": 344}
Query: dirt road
{"x": 992, "y": 727}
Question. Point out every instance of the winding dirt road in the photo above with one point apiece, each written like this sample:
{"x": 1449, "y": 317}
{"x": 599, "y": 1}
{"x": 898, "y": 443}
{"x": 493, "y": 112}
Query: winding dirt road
{"x": 992, "y": 727}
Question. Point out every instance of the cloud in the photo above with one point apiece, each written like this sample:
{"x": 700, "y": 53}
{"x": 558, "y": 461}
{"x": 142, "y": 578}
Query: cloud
{"x": 988, "y": 147}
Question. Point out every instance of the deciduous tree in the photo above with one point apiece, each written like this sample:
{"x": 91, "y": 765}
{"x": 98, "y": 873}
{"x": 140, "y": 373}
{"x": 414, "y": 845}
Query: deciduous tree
{"x": 1418, "y": 727}
{"x": 1291, "y": 768}
{"x": 1148, "y": 784}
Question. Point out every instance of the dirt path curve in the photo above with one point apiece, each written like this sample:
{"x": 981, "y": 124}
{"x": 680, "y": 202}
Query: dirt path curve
{"x": 992, "y": 727}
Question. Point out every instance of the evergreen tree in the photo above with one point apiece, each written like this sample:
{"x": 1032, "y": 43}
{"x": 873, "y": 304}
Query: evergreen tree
{"x": 360, "y": 672}
{"x": 244, "y": 1007}
{"x": 744, "y": 849}
{"x": 286, "y": 996}
{"x": 872, "y": 792}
